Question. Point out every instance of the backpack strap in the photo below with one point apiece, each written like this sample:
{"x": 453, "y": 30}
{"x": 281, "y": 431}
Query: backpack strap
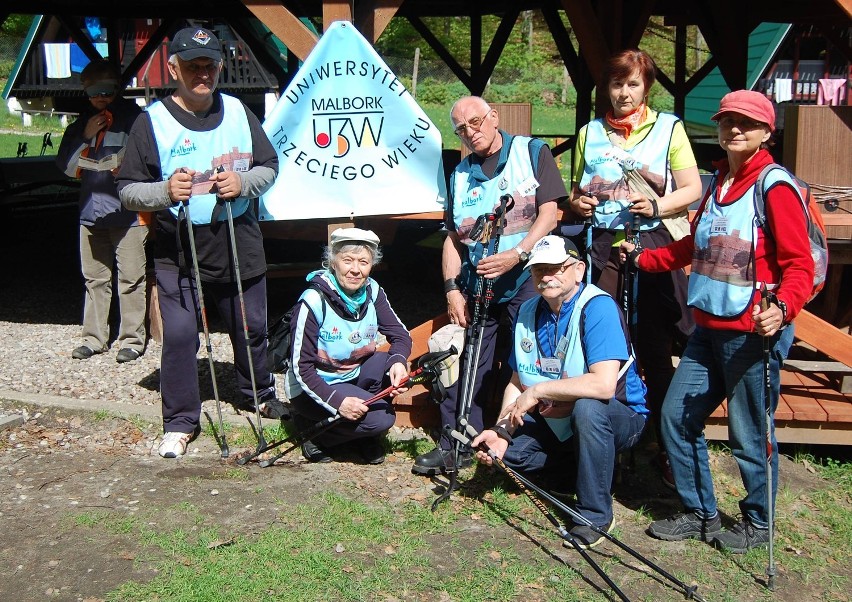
{"x": 707, "y": 194}
{"x": 760, "y": 195}
{"x": 322, "y": 298}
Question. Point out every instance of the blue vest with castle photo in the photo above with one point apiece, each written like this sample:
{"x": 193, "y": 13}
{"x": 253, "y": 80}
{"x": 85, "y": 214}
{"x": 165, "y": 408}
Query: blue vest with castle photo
{"x": 340, "y": 338}
{"x": 722, "y": 279}
{"x": 605, "y": 165}
{"x": 531, "y": 353}
{"x": 228, "y": 145}
{"x": 475, "y": 195}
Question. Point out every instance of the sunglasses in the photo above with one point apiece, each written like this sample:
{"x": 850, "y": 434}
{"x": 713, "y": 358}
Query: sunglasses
{"x": 101, "y": 94}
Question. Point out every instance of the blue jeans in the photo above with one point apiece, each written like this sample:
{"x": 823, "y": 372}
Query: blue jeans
{"x": 719, "y": 364}
{"x": 601, "y": 430}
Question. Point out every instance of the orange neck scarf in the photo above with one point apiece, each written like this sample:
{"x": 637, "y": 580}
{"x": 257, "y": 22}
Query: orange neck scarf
{"x": 629, "y": 122}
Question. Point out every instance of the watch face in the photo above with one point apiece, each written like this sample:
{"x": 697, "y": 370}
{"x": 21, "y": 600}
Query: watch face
{"x": 524, "y": 256}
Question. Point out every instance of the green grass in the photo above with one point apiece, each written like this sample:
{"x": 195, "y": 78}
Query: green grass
{"x": 12, "y": 131}
{"x": 332, "y": 547}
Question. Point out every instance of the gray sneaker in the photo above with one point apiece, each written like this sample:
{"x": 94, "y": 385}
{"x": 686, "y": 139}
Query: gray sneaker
{"x": 687, "y": 525}
{"x": 742, "y": 537}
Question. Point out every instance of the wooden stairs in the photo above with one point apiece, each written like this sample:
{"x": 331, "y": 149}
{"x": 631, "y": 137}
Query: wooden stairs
{"x": 815, "y": 404}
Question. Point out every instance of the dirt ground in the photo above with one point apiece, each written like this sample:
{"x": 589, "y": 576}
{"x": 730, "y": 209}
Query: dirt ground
{"x": 61, "y": 465}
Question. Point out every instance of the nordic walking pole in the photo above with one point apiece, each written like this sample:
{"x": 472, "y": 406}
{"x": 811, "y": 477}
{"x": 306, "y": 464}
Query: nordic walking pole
{"x": 261, "y": 442}
{"x": 767, "y": 397}
{"x": 560, "y": 528}
{"x": 689, "y": 592}
{"x": 428, "y": 370}
{"x": 223, "y": 444}
{"x": 487, "y": 231}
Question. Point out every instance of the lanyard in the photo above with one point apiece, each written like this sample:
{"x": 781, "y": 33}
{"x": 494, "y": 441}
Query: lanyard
{"x": 549, "y": 331}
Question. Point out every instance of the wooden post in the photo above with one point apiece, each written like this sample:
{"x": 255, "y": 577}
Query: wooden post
{"x": 414, "y": 72}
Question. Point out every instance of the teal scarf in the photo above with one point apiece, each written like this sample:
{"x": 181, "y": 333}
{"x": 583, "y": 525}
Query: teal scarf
{"x": 353, "y": 302}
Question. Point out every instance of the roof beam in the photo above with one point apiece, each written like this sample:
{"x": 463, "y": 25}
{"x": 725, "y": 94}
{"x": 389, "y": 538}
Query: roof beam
{"x": 336, "y": 10}
{"x": 727, "y": 38}
{"x": 436, "y": 45}
{"x": 593, "y": 46}
{"x": 371, "y": 18}
{"x": 562, "y": 39}
{"x": 148, "y": 50}
{"x": 498, "y": 43}
{"x": 290, "y": 30}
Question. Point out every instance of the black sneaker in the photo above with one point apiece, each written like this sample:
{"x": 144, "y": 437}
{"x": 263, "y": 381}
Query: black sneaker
{"x": 687, "y": 525}
{"x": 437, "y": 461}
{"x": 84, "y": 352}
{"x": 313, "y": 453}
{"x": 126, "y": 354}
{"x": 742, "y": 537}
{"x": 588, "y": 537}
{"x": 370, "y": 449}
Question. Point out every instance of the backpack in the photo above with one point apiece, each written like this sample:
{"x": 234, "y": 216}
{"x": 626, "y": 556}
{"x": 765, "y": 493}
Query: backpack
{"x": 813, "y": 217}
{"x": 279, "y": 339}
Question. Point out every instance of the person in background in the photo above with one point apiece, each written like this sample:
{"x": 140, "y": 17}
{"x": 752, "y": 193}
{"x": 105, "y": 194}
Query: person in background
{"x": 632, "y": 137}
{"x": 198, "y": 149}
{"x": 499, "y": 164}
{"x": 575, "y": 394}
{"x": 111, "y": 237}
{"x": 731, "y": 261}
{"x": 334, "y": 365}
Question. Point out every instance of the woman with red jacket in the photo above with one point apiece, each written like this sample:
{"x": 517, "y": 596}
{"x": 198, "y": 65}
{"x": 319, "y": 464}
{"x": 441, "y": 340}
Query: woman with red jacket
{"x": 731, "y": 259}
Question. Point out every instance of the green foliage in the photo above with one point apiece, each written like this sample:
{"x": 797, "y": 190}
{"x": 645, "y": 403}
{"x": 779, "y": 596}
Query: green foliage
{"x": 16, "y": 25}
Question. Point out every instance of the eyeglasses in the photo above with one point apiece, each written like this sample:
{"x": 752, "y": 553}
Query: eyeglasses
{"x": 551, "y": 270}
{"x": 741, "y": 123}
{"x": 474, "y": 124}
{"x": 102, "y": 95}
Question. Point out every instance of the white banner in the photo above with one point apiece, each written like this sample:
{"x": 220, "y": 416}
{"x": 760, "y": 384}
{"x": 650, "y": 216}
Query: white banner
{"x": 351, "y": 140}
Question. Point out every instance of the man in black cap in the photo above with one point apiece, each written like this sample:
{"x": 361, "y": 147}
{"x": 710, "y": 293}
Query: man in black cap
{"x": 187, "y": 155}
{"x": 574, "y": 391}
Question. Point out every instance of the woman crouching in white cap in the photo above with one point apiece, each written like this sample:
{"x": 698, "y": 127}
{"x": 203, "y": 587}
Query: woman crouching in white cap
{"x": 334, "y": 365}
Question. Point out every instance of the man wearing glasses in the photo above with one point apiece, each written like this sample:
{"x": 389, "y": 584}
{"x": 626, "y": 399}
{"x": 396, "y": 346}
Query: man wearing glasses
{"x": 575, "y": 399}
{"x": 110, "y": 235}
{"x": 188, "y": 155}
{"x": 499, "y": 164}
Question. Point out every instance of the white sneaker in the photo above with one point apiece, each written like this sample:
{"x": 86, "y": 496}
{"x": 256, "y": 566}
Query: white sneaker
{"x": 174, "y": 444}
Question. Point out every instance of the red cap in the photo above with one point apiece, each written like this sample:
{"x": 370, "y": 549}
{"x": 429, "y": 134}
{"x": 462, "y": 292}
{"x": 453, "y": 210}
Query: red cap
{"x": 748, "y": 103}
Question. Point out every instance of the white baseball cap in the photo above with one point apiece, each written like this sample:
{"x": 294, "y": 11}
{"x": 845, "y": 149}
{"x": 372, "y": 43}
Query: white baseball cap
{"x": 553, "y": 250}
{"x": 354, "y": 236}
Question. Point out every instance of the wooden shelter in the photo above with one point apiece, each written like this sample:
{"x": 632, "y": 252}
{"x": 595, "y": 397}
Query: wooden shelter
{"x": 602, "y": 27}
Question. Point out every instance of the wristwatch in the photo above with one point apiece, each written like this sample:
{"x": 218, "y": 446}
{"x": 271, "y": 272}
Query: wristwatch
{"x": 522, "y": 255}
{"x": 783, "y": 307}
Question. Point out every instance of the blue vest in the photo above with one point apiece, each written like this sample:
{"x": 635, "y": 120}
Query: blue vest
{"x": 604, "y": 165}
{"x": 344, "y": 344}
{"x": 474, "y": 197}
{"x": 528, "y": 354}
{"x": 722, "y": 280}
{"x": 228, "y": 145}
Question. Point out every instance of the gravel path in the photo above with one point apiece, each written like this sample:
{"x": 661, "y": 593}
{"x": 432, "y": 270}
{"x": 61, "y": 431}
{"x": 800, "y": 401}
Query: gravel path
{"x": 41, "y": 297}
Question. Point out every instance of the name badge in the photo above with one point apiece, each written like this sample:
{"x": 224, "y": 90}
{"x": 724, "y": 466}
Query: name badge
{"x": 370, "y": 332}
{"x": 551, "y": 365}
{"x": 528, "y": 186}
{"x": 719, "y": 226}
{"x": 562, "y": 348}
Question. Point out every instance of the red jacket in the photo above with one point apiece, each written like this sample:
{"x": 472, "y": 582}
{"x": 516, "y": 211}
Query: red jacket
{"x": 783, "y": 257}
